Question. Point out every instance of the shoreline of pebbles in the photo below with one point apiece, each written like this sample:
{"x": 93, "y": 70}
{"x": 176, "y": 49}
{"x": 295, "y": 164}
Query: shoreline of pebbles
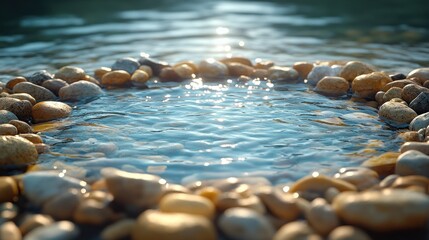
{"x": 385, "y": 198}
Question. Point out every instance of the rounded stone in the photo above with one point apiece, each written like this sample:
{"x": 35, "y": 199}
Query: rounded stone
{"x": 303, "y": 69}
{"x": 397, "y": 76}
{"x": 9, "y": 231}
{"x": 64, "y": 230}
{"x": 413, "y": 162}
{"x": 34, "y": 138}
{"x": 50, "y": 110}
{"x": 21, "y": 108}
{"x": 99, "y": 72}
{"x": 8, "y": 189}
{"x": 320, "y": 183}
{"x": 233, "y": 199}
{"x": 33, "y": 221}
{"x": 422, "y": 74}
{"x": 384, "y": 164}
{"x": 393, "y": 92}
{"x": 411, "y": 91}
{"x": 7, "y": 116}
{"x": 420, "y": 104}
{"x": 422, "y": 147}
{"x": 55, "y": 206}
{"x": 188, "y": 63}
{"x": 11, "y": 83}
{"x": 322, "y": 217}
{"x": 92, "y": 212}
{"x": 240, "y": 60}
{"x": 211, "y": 68}
{"x": 398, "y": 83}
{"x": 119, "y": 230}
{"x": 286, "y": 74}
{"x": 70, "y": 74}
{"x": 38, "y": 92}
{"x": 8, "y": 129}
{"x": 296, "y": 230}
{"x": 348, "y": 233}
{"x": 362, "y": 178}
{"x": 367, "y": 85}
{"x": 332, "y": 86}
{"x": 383, "y": 210}
{"x": 243, "y": 223}
{"x": 155, "y": 65}
{"x": 147, "y": 69}
{"x": 263, "y": 64}
{"x": 259, "y": 74}
{"x": 39, "y": 77}
{"x": 116, "y": 78}
{"x": 130, "y": 65}
{"x": 236, "y": 69}
{"x": 168, "y": 74}
{"x": 419, "y": 122}
{"x": 16, "y": 150}
{"x": 23, "y": 96}
{"x": 397, "y": 114}
{"x": 79, "y": 91}
{"x": 187, "y": 203}
{"x": 185, "y": 71}
{"x": 153, "y": 224}
{"x": 139, "y": 78}
{"x": 281, "y": 205}
{"x": 54, "y": 85}
{"x": 354, "y": 68}
{"x": 21, "y": 126}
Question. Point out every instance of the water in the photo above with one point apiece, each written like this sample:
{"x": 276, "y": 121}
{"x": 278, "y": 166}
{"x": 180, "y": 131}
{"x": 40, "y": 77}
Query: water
{"x": 200, "y": 130}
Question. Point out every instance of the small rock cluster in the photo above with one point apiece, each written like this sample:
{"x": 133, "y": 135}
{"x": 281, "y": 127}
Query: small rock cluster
{"x": 388, "y": 193}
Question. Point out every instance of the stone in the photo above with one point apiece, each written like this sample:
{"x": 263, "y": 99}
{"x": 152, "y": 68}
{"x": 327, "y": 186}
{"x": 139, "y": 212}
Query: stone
{"x": 155, "y": 65}
{"x": 8, "y": 212}
{"x": 54, "y": 85}
{"x": 422, "y": 147}
{"x": 62, "y": 230}
{"x": 9, "y": 231}
{"x": 187, "y": 203}
{"x": 80, "y": 90}
{"x": 322, "y": 217}
{"x": 70, "y": 74}
{"x": 420, "y": 104}
{"x": 243, "y": 223}
{"x": 134, "y": 190}
{"x": 139, "y": 78}
{"x": 411, "y": 91}
{"x": 263, "y": 64}
{"x": 413, "y": 162}
{"x": 419, "y": 122}
{"x": 119, "y": 230}
{"x": 21, "y": 126}
{"x": 233, "y": 199}
{"x": 40, "y": 187}
{"x": 236, "y": 69}
{"x": 412, "y": 183}
{"x": 11, "y": 83}
{"x": 185, "y": 71}
{"x": 303, "y": 69}
{"x": 281, "y": 205}
{"x": 384, "y": 164}
{"x": 8, "y": 189}
{"x": 422, "y": 74}
{"x": 8, "y": 129}
{"x": 354, "y": 68}
{"x": 23, "y": 96}
{"x": 396, "y": 114}
{"x": 259, "y": 74}
{"x": 50, "y": 110}
{"x": 34, "y": 138}
{"x": 284, "y": 74}
{"x": 7, "y": 116}
{"x": 116, "y": 78}
{"x": 240, "y": 60}
{"x": 384, "y": 210}
{"x": 93, "y": 212}
{"x": 16, "y": 150}
{"x": 332, "y": 86}
{"x": 130, "y": 65}
{"x": 411, "y": 136}
{"x": 33, "y": 221}
{"x": 379, "y": 97}
{"x": 348, "y": 233}
{"x": 38, "y": 92}
{"x": 362, "y": 178}
{"x": 39, "y": 77}
{"x": 319, "y": 183}
{"x": 99, "y": 72}
{"x": 397, "y": 76}
{"x": 317, "y": 73}
{"x": 393, "y": 92}
{"x": 367, "y": 85}
{"x": 149, "y": 71}
{"x": 20, "y": 108}
{"x": 296, "y": 231}
{"x": 212, "y": 69}
{"x": 398, "y": 83}
{"x": 211, "y": 193}
{"x": 55, "y": 206}
{"x": 168, "y": 74}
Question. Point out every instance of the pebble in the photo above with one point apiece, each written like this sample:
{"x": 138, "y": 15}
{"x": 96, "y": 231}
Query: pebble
{"x": 23, "y": 96}
{"x": 322, "y": 217}
{"x": 411, "y": 91}
{"x": 354, "y": 68}
{"x": 379, "y": 210}
{"x": 99, "y": 72}
{"x": 397, "y": 76}
{"x": 34, "y": 138}
{"x": 116, "y": 78}
{"x": 41, "y": 186}
{"x": 9, "y": 231}
{"x": 259, "y": 74}
{"x": 332, "y": 86}
{"x": 7, "y": 116}
{"x": 80, "y": 90}
{"x": 190, "y": 64}
{"x": 211, "y": 68}
{"x": 362, "y": 178}
{"x": 8, "y": 189}
{"x": 317, "y": 73}
{"x": 133, "y": 190}
{"x": 187, "y": 203}
{"x": 384, "y": 164}
{"x": 33, "y": 221}
{"x": 419, "y": 122}
{"x": 168, "y": 74}
{"x": 303, "y": 69}
{"x": 393, "y": 92}
{"x": 243, "y": 223}
{"x": 16, "y": 150}
{"x": 149, "y": 71}
{"x": 296, "y": 231}
{"x": 70, "y": 74}
{"x": 39, "y": 77}
{"x": 236, "y": 69}
{"x": 62, "y": 230}
{"x": 130, "y": 65}
{"x": 8, "y": 212}
{"x": 185, "y": 71}
{"x": 54, "y": 85}
{"x": 50, "y": 110}
{"x": 397, "y": 114}
{"x": 281, "y": 205}
{"x": 20, "y": 108}
{"x": 421, "y": 74}
{"x": 420, "y": 104}
{"x": 263, "y": 64}
{"x": 398, "y": 83}
{"x": 285, "y": 74}
{"x": 21, "y": 126}
{"x": 139, "y": 78}
{"x": 422, "y": 147}
{"x": 11, "y": 83}
{"x": 233, "y": 199}
{"x": 153, "y": 224}
{"x": 413, "y": 182}
{"x": 38, "y": 92}
{"x": 411, "y": 136}
{"x": 93, "y": 212}
{"x": 55, "y": 206}
{"x": 240, "y": 60}
{"x": 412, "y": 162}
{"x": 367, "y": 85}
{"x": 119, "y": 230}
{"x": 8, "y": 129}
{"x": 155, "y": 65}
{"x": 348, "y": 233}
{"x": 319, "y": 183}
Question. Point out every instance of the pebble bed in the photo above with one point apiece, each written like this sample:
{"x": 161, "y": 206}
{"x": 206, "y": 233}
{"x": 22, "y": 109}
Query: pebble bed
{"x": 384, "y": 198}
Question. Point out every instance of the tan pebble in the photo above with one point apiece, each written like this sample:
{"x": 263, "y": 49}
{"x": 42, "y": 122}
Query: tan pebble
{"x": 398, "y": 83}
{"x": 50, "y": 110}
{"x": 281, "y": 205}
{"x": 33, "y": 221}
{"x": 187, "y": 203}
{"x": 396, "y": 113}
{"x": 367, "y": 85}
{"x": 240, "y": 60}
{"x": 116, "y": 78}
{"x": 139, "y": 78}
{"x": 175, "y": 188}
{"x": 411, "y": 91}
{"x": 353, "y": 69}
{"x": 362, "y": 178}
{"x": 8, "y": 189}
{"x": 168, "y": 74}
{"x": 8, "y": 129}
{"x": 295, "y": 231}
{"x": 260, "y": 74}
{"x": 332, "y": 86}
{"x": 237, "y": 69}
{"x": 153, "y": 224}
{"x": 55, "y": 207}
{"x": 70, "y": 74}
{"x": 64, "y": 230}
{"x": 9, "y": 231}
{"x": 42, "y": 148}
{"x": 421, "y": 182}
{"x": 383, "y": 164}
{"x": 379, "y": 97}
{"x": 322, "y": 217}
{"x": 54, "y": 85}
{"x": 147, "y": 69}
{"x": 118, "y": 230}
{"x": 421, "y": 74}
{"x": 92, "y": 212}
{"x": 412, "y": 162}
{"x": 212, "y": 69}
{"x": 100, "y": 196}
{"x": 21, "y": 126}
{"x": 23, "y": 96}
{"x": 91, "y": 80}
{"x": 286, "y": 74}
{"x": 233, "y": 199}
{"x": 16, "y": 150}
{"x": 320, "y": 183}
{"x": 11, "y": 83}
{"x": 393, "y": 92}
{"x": 419, "y": 146}
{"x": 20, "y": 108}
{"x": 330, "y": 194}
{"x": 34, "y": 138}
{"x": 191, "y": 64}
{"x": 184, "y": 71}
{"x": 410, "y": 136}
{"x": 211, "y": 193}
{"x": 348, "y": 233}
{"x": 388, "y": 181}
{"x": 263, "y": 64}
{"x": 99, "y": 72}
{"x": 303, "y": 68}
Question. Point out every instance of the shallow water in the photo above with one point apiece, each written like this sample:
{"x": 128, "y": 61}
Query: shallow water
{"x": 200, "y": 130}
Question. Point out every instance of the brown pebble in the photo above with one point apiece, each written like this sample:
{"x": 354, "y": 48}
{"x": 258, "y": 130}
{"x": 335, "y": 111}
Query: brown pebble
{"x": 168, "y": 74}
{"x": 50, "y": 110}
{"x": 263, "y": 64}
{"x": 11, "y": 83}
{"x": 8, "y": 189}
{"x": 116, "y": 78}
{"x": 348, "y": 233}
{"x": 8, "y": 129}
{"x": 9, "y": 231}
{"x": 55, "y": 206}
{"x": 99, "y": 72}
{"x": 191, "y": 64}
{"x": 33, "y": 221}
{"x": 236, "y": 69}
{"x": 54, "y": 85}
{"x": 147, "y": 69}
{"x": 21, "y": 126}
{"x": 184, "y": 71}
{"x": 23, "y": 96}
{"x": 139, "y": 78}
{"x": 281, "y": 205}
{"x": 34, "y": 138}
{"x": 240, "y": 60}
{"x": 303, "y": 69}
{"x": 92, "y": 212}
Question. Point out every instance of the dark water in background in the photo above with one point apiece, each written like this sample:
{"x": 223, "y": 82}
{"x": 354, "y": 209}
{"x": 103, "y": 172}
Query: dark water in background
{"x": 203, "y": 130}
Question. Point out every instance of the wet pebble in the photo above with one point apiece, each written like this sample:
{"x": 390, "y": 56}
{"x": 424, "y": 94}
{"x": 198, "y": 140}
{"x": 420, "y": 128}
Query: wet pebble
{"x": 362, "y": 178}
{"x": 240, "y": 60}
{"x": 8, "y": 129}
{"x": 397, "y": 114}
{"x": 233, "y": 199}
{"x": 7, "y": 116}
{"x": 393, "y": 92}
{"x": 119, "y": 230}
{"x": 139, "y": 78}
{"x": 130, "y": 65}
{"x": 236, "y": 69}
{"x": 99, "y": 72}
{"x": 155, "y": 65}
{"x": 38, "y": 92}
{"x": 93, "y": 212}
{"x": 420, "y": 104}
{"x": 421, "y": 74}
{"x": 398, "y": 83}
{"x": 296, "y": 230}
{"x": 116, "y": 78}
{"x": 16, "y": 150}
{"x": 50, "y": 110}
{"x": 9, "y": 231}
{"x": 62, "y": 230}
{"x": 317, "y": 73}
{"x": 397, "y": 76}
{"x": 55, "y": 206}
{"x": 367, "y": 85}
{"x": 281, "y": 205}
{"x": 383, "y": 164}
{"x": 12, "y": 82}
{"x": 54, "y": 85}
{"x": 8, "y": 189}
{"x": 411, "y": 91}
{"x": 422, "y": 147}
{"x": 21, "y": 126}
{"x": 20, "y": 108}
{"x": 187, "y": 203}
{"x": 303, "y": 69}
{"x": 34, "y": 138}
{"x": 319, "y": 183}
{"x": 168, "y": 74}
{"x": 322, "y": 217}
{"x": 419, "y": 122}
{"x": 211, "y": 68}
{"x": 70, "y": 74}
{"x": 79, "y": 90}
{"x": 243, "y": 223}
{"x": 354, "y": 68}
{"x": 413, "y": 162}
{"x": 23, "y": 96}
{"x": 332, "y": 86}
{"x": 348, "y": 233}
{"x": 39, "y": 77}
